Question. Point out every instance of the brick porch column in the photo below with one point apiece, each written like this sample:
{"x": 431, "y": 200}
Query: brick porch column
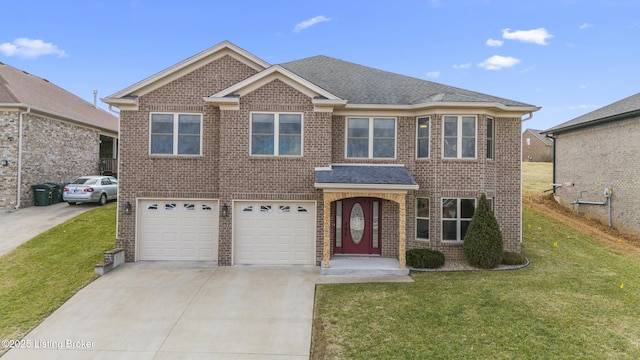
{"x": 402, "y": 231}
{"x": 326, "y": 246}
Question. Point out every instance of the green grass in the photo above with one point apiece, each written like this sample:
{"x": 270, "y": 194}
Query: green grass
{"x": 576, "y": 300}
{"x": 41, "y": 274}
{"x": 536, "y": 177}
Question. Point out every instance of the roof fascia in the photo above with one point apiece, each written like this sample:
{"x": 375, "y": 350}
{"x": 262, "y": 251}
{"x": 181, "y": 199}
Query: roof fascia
{"x": 186, "y": 66}
{"x": 617, "y": 117}
{"x": 435, "y": 108}
{"x": 381, "y": 188}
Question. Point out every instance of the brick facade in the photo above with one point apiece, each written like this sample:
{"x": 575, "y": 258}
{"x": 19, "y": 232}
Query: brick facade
{"x": 226, "y": 170}
{"x": 52, "y": 151}
{"x": 590, "y": 159}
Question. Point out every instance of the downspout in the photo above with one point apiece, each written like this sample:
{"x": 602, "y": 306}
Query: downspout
{"x": 554, "y": 162}
{"x": 19, "y": 192}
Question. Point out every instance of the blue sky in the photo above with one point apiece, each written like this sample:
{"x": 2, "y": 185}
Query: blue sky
{"x": 568, "y": 56}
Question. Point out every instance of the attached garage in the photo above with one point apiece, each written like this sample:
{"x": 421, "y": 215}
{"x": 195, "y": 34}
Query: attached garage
{"x": 274, "y": 233}
{"x": 180, "y": 230}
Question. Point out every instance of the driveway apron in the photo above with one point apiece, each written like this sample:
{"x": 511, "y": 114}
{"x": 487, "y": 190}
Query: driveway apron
{"x": 164, "y": 310}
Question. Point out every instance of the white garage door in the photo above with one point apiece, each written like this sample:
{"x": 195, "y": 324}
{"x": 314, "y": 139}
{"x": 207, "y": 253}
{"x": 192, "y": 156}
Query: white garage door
{"x": 178, "y": 230}
{"x": 274, "y": 233}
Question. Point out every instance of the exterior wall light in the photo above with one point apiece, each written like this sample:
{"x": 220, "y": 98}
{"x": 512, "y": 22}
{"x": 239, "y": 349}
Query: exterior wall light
{"x": 5, "y": 162}
{"x": 127, "y": 208}
{"x": 10, "y": 137}
{"x": 224, "y": 211}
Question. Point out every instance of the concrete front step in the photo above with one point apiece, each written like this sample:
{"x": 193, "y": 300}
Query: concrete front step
{"x": 363, "y": 266}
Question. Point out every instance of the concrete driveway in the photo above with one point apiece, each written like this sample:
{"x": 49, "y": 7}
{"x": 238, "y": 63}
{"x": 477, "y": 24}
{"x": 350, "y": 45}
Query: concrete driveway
{"x": 163, "y": 310}
{"x": 20, "y": 226}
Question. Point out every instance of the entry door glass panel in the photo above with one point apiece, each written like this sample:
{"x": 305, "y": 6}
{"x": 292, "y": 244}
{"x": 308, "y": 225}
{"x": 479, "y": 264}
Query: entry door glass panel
{"x": 357, "y": 223}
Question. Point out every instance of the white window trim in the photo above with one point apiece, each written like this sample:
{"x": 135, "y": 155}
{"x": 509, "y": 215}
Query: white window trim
{"x": 276, "y": 133}
{"x": 370, "y": 137}
{"x": 175, "y": 132}
{"x": 423, "y": 218}
{"x": 459, "y": 138}
{"x": 429, "y": 138}
{"x": 458, "y": 219}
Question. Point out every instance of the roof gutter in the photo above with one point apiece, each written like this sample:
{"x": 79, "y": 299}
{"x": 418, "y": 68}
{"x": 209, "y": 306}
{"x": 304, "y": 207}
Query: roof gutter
{"x": 19, "y": 177}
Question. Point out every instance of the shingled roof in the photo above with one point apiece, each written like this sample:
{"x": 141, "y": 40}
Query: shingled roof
{"x": 364, "y": 85}
{"x": 18, "y": 87}
{"x": 618, "y": 110}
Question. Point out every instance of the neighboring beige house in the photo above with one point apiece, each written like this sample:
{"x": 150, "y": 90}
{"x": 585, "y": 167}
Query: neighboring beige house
{"x": 48, "y": 135}
{"x": 536, "y": 147}
{"x": 599, "y": 151}
{"x": 229, "y": 159}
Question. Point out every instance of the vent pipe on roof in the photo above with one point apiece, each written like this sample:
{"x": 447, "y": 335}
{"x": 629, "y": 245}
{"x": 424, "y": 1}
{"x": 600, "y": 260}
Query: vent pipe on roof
{"x": 95, "y": 99}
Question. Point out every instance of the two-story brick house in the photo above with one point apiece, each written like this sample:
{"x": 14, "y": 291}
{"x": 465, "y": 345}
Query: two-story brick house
{"x": 227, "y": 158}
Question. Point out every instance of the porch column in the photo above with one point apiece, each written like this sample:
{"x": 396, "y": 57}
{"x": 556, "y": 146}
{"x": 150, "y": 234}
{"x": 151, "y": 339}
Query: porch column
{"x": 326, "y": 250}
{"x": 402, "y": 231}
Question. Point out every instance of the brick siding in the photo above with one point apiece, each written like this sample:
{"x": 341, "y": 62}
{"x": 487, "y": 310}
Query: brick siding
{"x": 52, "y": 151}
{"x": 537, "y": 150}
{"x": 599, "y": 157}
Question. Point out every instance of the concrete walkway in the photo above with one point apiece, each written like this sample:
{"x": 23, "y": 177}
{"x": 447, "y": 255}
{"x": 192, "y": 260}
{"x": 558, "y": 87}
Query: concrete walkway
{"x": 163, "y": 310}
{"x": 20, "y": 226}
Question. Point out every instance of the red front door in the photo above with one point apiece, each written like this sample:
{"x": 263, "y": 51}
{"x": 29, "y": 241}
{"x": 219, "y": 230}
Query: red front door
{"x": 359, "y": 226}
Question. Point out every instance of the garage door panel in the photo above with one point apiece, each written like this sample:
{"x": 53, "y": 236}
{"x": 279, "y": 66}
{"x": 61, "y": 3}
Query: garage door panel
{"x": 274, "y": 233}
{"x": 178, "y": 230}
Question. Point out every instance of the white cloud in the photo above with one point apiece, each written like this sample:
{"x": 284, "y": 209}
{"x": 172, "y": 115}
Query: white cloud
{"x": 585, "y": 26}
{"x": 433, "y": 74}
{"x": 536, "y": 36}
{"x": 462, "y": 66}
{"x": 494, "y": 43}
{"x": 497, "y": 62}
{"x": 580, "y": 107}
{"x": 308, "y": 23}
{"x": 30, "y": 48}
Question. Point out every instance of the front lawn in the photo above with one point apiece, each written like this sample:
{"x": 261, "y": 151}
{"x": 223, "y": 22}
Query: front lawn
{"x": 578, "y": 299}
{"x": 40, "y": 275}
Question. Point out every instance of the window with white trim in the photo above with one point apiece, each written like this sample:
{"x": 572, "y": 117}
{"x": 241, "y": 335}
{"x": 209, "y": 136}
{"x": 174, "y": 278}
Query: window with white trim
{"x": 422, "y": 218}
{"x": 371, "y": 138}
{"x": 490, "y": 132}
{"x": 456, "y": 217}
{"x": 276, "y": 134}
{"x": 423, "y": 130}
{"x": 459, "y": 137}
{"x": 175, "y": 134}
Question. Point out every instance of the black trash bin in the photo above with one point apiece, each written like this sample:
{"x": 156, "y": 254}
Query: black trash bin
{"x": 56, "y": 192}
{"x": 41, "y": 194}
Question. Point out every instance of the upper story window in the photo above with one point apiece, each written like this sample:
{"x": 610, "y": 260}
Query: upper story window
{"x": 423, "y": 133}
{"x": 371, "y": 138}
{"x": 175, "y": 134}
{"x": 490, "y": 135}
{"x": 276, "y": 134}
{"x": 459, "y": 140}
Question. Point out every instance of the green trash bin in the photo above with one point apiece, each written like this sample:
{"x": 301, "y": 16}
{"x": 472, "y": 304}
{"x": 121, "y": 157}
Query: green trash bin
{"x": 41, "y": 194}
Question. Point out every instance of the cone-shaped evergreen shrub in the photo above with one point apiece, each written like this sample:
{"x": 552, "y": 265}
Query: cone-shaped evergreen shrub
{"x": 483, "y": 240}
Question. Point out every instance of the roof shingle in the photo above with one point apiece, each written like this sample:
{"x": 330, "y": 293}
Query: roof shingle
{"x": 20, "y": 87}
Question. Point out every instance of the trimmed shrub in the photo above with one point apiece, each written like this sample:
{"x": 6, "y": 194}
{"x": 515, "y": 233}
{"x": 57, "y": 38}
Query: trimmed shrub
{"x": 483, "y": 244}
{"x": 425, "y": 259}
{"x": 511, "y": 258}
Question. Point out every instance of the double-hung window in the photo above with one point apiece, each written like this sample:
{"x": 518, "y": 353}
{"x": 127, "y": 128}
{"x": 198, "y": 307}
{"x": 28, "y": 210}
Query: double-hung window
{"x": 423, "y": 137}
{"x": 371, "y": 138}
{"x": 176, "y": 134}
{"x": 459, "y": 140}
{"x": 490, "y": 132}
{"x": 456, "y": 217}
{"x": 276, "y": 134}
{"x": 422, "y": 218}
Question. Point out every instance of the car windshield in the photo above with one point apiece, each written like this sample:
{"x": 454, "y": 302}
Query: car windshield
{"x": 84, "y": 181}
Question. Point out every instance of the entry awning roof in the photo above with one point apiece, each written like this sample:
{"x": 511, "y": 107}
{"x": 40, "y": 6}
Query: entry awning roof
{"x": 389, "y": 177}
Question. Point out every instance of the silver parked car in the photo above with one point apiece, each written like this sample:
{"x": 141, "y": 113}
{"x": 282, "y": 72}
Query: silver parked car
{"x": 98, "y": 189}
